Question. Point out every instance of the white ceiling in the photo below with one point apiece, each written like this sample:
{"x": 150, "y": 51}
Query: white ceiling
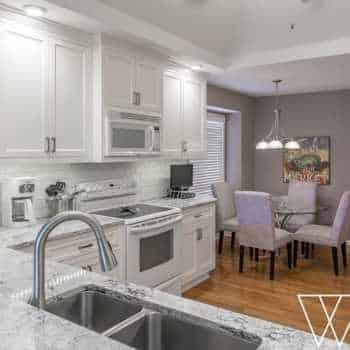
{"x": 230, "y": 26}
{"x": 319, "y": 74}
{"x": 246, "y": 43}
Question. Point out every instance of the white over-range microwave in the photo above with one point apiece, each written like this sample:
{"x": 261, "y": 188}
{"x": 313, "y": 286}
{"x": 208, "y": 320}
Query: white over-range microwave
{"x": 130, "y": 134}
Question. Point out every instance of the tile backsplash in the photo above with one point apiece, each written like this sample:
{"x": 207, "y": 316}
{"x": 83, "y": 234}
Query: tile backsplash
{"x": 151, "y": 176}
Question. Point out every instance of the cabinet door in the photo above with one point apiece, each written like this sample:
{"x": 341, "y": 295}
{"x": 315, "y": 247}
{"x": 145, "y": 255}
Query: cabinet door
{"x": 189, "y": 257}
{"x": 71, "y": 102}
{"x": 23, "y": 94}
{"x": 204, "y": 252}
{"x": 194, "y": 117}
{"x": 149, "y": 86}
{"x": 118, "y": 79}
{"x": 172, "y": 121}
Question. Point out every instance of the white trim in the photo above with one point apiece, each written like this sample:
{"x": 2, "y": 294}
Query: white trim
{"x": 221, "y": 110}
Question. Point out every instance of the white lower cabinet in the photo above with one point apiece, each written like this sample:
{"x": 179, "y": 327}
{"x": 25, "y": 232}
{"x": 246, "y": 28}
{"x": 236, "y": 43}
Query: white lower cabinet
{"x": 198, "y": 250}
{"x": 198, "y": 245}
{"x": 80, "y": 250}
{"x": 189, "y": 256}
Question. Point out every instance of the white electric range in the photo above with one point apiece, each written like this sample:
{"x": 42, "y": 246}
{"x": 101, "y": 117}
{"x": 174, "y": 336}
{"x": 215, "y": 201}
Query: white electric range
{"x": 154, "y": 234}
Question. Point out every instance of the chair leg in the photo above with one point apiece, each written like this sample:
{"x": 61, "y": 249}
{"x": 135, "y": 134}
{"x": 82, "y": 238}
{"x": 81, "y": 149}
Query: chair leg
{"x": 221, "y": 241}
{"x": 289, "y": 252}
{"x": 335, "y": 260}
{"x": 241, "y": 258}
{"x": 251, "y": 253}
{"x": 233, "y": 237}
{"x": 256, "y": 254}
{"x": 312, "y": 250}
{"x": 272, "y": 266}
{"x": 307, "y": 250}
{"x": 295, "y": 255}
{"x": 302, "y": 248}
{"x": 343, "y": 251}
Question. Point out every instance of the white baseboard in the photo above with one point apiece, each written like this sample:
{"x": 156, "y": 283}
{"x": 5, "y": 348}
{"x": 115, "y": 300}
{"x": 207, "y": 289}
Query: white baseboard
{"x": 195, "y": 282}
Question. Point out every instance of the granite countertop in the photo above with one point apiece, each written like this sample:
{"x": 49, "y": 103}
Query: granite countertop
{"x": 25, "y": 327}
{"x": 183, "y": 203}
{"x": 14, "y": 237}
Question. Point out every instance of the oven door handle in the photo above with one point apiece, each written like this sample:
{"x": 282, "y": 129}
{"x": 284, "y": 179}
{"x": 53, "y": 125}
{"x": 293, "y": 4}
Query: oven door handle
{"x": 152, "y": 135}
{"x": 156, "y": 226}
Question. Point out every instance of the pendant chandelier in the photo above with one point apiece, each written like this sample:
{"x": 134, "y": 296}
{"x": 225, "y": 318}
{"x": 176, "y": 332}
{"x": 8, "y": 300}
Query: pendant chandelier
{"x": 277, "y": 138}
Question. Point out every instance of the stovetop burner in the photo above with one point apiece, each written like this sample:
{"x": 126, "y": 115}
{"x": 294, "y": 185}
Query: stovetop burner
{"x": 131, "y": 211}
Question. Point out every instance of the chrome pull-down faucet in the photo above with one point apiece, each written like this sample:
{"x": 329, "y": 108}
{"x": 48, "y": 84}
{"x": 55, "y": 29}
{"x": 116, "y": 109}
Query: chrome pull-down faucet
{"x": 107, "y": 258}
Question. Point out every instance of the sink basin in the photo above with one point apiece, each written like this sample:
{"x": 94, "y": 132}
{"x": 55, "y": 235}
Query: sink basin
{"x": 144, "y": 327}
{"x": 156, "y": 331}
{"x": 93, "y": 309}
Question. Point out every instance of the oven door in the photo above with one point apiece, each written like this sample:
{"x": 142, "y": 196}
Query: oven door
{"x": 129, "y": 137}
{"x": 154, "y": 251}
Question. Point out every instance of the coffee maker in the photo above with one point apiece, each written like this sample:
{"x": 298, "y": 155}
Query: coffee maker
{"x": 17, "y": 201}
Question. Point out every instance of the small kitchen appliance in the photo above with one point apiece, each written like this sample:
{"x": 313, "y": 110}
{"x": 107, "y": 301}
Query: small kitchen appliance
{"x": 17, "y": 201}
{"x": 181, "y": 179}
{"x": 132, "y": 135}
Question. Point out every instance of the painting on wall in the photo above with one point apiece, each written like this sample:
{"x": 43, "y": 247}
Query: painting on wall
{"x": 311, "y": 163}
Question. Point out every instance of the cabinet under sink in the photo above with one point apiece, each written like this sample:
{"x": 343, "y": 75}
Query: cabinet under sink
{"x": 145, "y": 326}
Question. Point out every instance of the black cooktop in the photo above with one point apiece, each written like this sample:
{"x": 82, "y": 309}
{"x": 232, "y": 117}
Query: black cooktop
{"x": 131, "y": 211}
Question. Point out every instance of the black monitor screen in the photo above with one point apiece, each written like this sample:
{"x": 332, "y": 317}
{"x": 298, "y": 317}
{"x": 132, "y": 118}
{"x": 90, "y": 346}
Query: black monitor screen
{"x": 181, "y": 176}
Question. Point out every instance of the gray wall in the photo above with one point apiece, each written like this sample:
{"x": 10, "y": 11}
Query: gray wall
{"x": 317, "y": 114}
{"x": 223, "y": 98}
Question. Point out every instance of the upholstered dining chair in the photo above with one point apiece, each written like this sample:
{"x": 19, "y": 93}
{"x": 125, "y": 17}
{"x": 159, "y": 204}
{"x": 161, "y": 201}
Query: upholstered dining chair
{"x": 257, "y": 227}
{"x": 302, "y": 196}
{"x": 334, "y": 236}
{"x": 226, "y": 219}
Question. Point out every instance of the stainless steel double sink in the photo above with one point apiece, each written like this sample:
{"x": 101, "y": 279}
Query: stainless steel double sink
{"x": 141, "y": 326}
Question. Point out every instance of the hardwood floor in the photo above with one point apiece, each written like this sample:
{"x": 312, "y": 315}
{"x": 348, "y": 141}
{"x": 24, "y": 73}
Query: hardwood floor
{"x": 253, "y": 294}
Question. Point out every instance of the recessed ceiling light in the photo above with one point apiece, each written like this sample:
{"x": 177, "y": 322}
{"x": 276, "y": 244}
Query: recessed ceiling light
{"x": 34, "y": 11}
{"x": 196, "y": 67}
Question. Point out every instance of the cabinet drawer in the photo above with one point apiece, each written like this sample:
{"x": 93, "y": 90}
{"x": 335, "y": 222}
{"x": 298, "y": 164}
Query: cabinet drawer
{"x": 77, "y": 246}
{"x": 197, "y": 218}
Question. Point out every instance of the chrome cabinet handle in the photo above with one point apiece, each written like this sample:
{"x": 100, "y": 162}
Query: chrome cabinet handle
{"x": 199, "y": 234}
{"x": 198, "y": 216}
{"x": 184, "y": 146}
{"x": 139, "y": 98}
{"x": 85, "y": 246}
{"x": 87, "y": 267}
{"x": 134, "y": 98}
{"x": 53, "y": 144}
{"x": 47, "y": 145}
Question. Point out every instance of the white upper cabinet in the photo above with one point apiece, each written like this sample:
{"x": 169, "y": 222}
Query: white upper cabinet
{"x": 118, "y": 79}
{"x": 194, "y": 118}
{"x": 172, "y": 121}
{"x": 184, "y": 124}
{"x": 23, "y": 94}
{"x": 131, "y": 81}
{"x": 70, "y": 99}
{"x": 148, "y": 85}
{"x": 45, "y": 95}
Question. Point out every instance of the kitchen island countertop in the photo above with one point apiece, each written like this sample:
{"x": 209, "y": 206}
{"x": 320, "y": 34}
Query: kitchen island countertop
{"x": 25, "y": 327}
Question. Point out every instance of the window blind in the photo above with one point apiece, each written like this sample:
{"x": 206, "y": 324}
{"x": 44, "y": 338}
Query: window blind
{"x": 211, "y": 170}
